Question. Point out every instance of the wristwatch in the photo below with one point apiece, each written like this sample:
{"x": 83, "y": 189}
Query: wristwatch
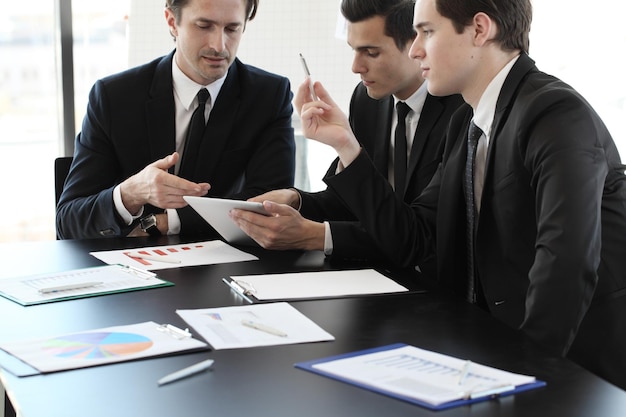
{"x": 149, "y": 225}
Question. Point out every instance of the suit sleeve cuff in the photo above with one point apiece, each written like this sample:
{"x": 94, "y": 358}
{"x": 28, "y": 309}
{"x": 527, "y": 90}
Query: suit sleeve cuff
{"x": 125, "y": 215}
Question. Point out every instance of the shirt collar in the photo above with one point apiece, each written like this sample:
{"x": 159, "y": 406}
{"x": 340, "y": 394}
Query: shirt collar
{"x": 486, "y": 110}
{"x": 416, "y": 100}
{"x": 186, "y": 89}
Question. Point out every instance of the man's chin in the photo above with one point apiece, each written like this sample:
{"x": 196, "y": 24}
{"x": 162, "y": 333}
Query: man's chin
{"x": 374, "y": 94}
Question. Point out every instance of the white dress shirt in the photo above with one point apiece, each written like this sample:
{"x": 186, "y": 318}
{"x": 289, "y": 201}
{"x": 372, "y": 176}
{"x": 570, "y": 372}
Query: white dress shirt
{"x": 185, "y": 102}
{"x": 483, "y": 118}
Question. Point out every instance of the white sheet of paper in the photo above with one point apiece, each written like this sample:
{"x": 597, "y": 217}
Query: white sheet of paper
{"x": 98, "y": 347}
{"x": 188, "y": 254}
{"x": 223, "y": 329}
{"x": 318, "y": 284}
{"x": 421, "y": 374}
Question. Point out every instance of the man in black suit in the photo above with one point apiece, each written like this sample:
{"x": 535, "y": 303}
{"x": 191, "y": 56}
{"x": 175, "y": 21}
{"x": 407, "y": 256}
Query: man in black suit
{"x": 546, "y": 193}
{"x": 380, "y": 33}
{"x": 123, "y": 180}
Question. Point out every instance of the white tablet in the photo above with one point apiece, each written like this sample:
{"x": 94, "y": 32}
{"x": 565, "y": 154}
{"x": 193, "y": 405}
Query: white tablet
{"x": 215, "y": 212}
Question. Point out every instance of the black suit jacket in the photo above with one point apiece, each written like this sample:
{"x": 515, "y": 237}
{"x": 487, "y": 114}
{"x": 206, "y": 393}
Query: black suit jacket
{"x": 130, "y": 124}
{"x": 551, "y": 235}
{"x": 370, "y": 120}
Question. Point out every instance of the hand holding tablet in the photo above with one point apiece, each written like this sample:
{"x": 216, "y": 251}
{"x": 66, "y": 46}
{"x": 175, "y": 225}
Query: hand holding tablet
{"x": 215, "y": 212}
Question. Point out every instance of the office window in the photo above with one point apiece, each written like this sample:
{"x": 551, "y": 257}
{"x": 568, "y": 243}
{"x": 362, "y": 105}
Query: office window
{"x": 29, "y": 130}
{"x": 29, "y": 101}
{"x": 100, "y": 45}
{"x": 584, "y": 46}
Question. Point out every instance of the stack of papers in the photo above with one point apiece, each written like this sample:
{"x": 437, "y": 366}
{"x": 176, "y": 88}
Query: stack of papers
{"x": 421, "y": 377}
{"x": 78, "y": 283}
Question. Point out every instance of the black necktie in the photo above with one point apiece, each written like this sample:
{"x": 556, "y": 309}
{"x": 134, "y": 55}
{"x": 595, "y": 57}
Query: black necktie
{"x": 473, "y": 135}
{"x": 194, "y": 137}
{"x": 400, "y": 150}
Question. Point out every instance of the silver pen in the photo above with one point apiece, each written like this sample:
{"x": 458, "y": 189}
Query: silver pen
{"x": 305, "y": 67}
{"x": 263, "y": 328}
{"x": 464, "y": 372}
{"x": 69, "y": 287}
{"x": 185, "y": 372}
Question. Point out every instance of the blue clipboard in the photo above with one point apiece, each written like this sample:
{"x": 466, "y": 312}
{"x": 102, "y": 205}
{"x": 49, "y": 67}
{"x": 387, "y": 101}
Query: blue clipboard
{"x": 309, "y": 366}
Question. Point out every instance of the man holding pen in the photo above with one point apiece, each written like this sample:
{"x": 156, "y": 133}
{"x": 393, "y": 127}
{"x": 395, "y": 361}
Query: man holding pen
{"x": 529, "y": 213}
{"x": 380, "y": 33}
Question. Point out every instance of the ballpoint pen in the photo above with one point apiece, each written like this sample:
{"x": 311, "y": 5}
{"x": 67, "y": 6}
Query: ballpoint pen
{"x": 305, "y": 67}
{"x": 464, "y": 372}
{"x": 263, "y": 328}
{"x": 69, "y": 287}
{"x": 185, "y": 372}
{"x": 489, "y": 392}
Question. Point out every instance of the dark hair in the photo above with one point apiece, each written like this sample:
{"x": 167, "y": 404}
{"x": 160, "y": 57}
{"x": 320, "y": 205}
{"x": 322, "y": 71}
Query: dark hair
{"x": 513, "y": 18}
{"x": 176, "y": 7}
{"x": 398, "y": 16}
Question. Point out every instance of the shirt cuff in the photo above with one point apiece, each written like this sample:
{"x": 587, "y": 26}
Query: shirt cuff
{"x": 173, "y": 222}
{"x": 299, "y": 198}
{"x": 328, "y": 240}
{"x": 121, "y": 210}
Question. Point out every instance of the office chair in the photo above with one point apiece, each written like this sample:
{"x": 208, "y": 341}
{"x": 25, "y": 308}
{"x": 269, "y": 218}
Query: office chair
{"x": 61, "y": 169}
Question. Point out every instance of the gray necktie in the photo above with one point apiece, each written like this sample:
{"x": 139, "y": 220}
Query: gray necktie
{"x": 473, "y": 135}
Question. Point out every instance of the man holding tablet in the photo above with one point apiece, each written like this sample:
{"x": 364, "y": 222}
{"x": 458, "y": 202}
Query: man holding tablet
{"x": 133, "y": 162}
{"x": 406, "y": 150}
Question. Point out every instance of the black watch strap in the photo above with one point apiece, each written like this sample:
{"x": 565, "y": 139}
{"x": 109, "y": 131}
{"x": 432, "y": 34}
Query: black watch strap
{"x": 149, "y": 225}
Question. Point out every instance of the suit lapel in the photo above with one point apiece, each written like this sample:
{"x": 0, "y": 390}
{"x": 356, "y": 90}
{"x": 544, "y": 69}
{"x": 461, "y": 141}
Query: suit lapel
{"x": 523, "y": 65}
{"x": 430, "y": 114}
{"x": 383, "y": 130}
{"x": 161, "y": 126}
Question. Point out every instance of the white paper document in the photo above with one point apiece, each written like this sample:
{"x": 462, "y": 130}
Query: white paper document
{"x": 174, "y": 256}
{"x": 101, "y": 346}
{"x": 254, "y": 325}
{"x": 323, "y": 284}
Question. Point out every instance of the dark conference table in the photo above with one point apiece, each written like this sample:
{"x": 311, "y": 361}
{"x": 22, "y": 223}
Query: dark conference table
{"x": 263, "y": 381}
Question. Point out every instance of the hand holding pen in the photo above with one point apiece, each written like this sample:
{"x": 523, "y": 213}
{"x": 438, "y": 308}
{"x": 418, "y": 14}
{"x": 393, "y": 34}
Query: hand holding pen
{"x": 307, "y": 73}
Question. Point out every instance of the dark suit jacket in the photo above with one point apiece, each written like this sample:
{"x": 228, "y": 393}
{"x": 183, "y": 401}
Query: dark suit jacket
{"x": 370, "y": 120}
{"x": 551, "y": 235}
{"x": 130, "y": 124}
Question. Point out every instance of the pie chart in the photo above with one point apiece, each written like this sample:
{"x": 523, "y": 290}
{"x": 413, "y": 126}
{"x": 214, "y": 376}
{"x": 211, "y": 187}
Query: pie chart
{"x": 97, "y": 345}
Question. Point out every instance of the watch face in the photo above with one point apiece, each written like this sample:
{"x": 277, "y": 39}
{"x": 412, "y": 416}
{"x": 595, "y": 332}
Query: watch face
{"x": 147, "y": 222}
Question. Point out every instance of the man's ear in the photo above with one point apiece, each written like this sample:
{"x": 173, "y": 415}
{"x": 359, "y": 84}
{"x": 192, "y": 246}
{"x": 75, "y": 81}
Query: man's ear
{"x": 484, "y": 28}
{"x": 171, "y": 22}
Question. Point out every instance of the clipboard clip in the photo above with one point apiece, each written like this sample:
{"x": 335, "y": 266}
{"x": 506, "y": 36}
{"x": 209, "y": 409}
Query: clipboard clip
{"x": 139, "y": 272}
{"x": 243, "y": 288}
{"x": 175, "y": 332}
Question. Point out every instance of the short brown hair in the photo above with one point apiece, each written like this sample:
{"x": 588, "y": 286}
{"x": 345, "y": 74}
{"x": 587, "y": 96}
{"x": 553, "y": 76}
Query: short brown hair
{"x": 513, "y": 18}
{"x": 176, "y": 7}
